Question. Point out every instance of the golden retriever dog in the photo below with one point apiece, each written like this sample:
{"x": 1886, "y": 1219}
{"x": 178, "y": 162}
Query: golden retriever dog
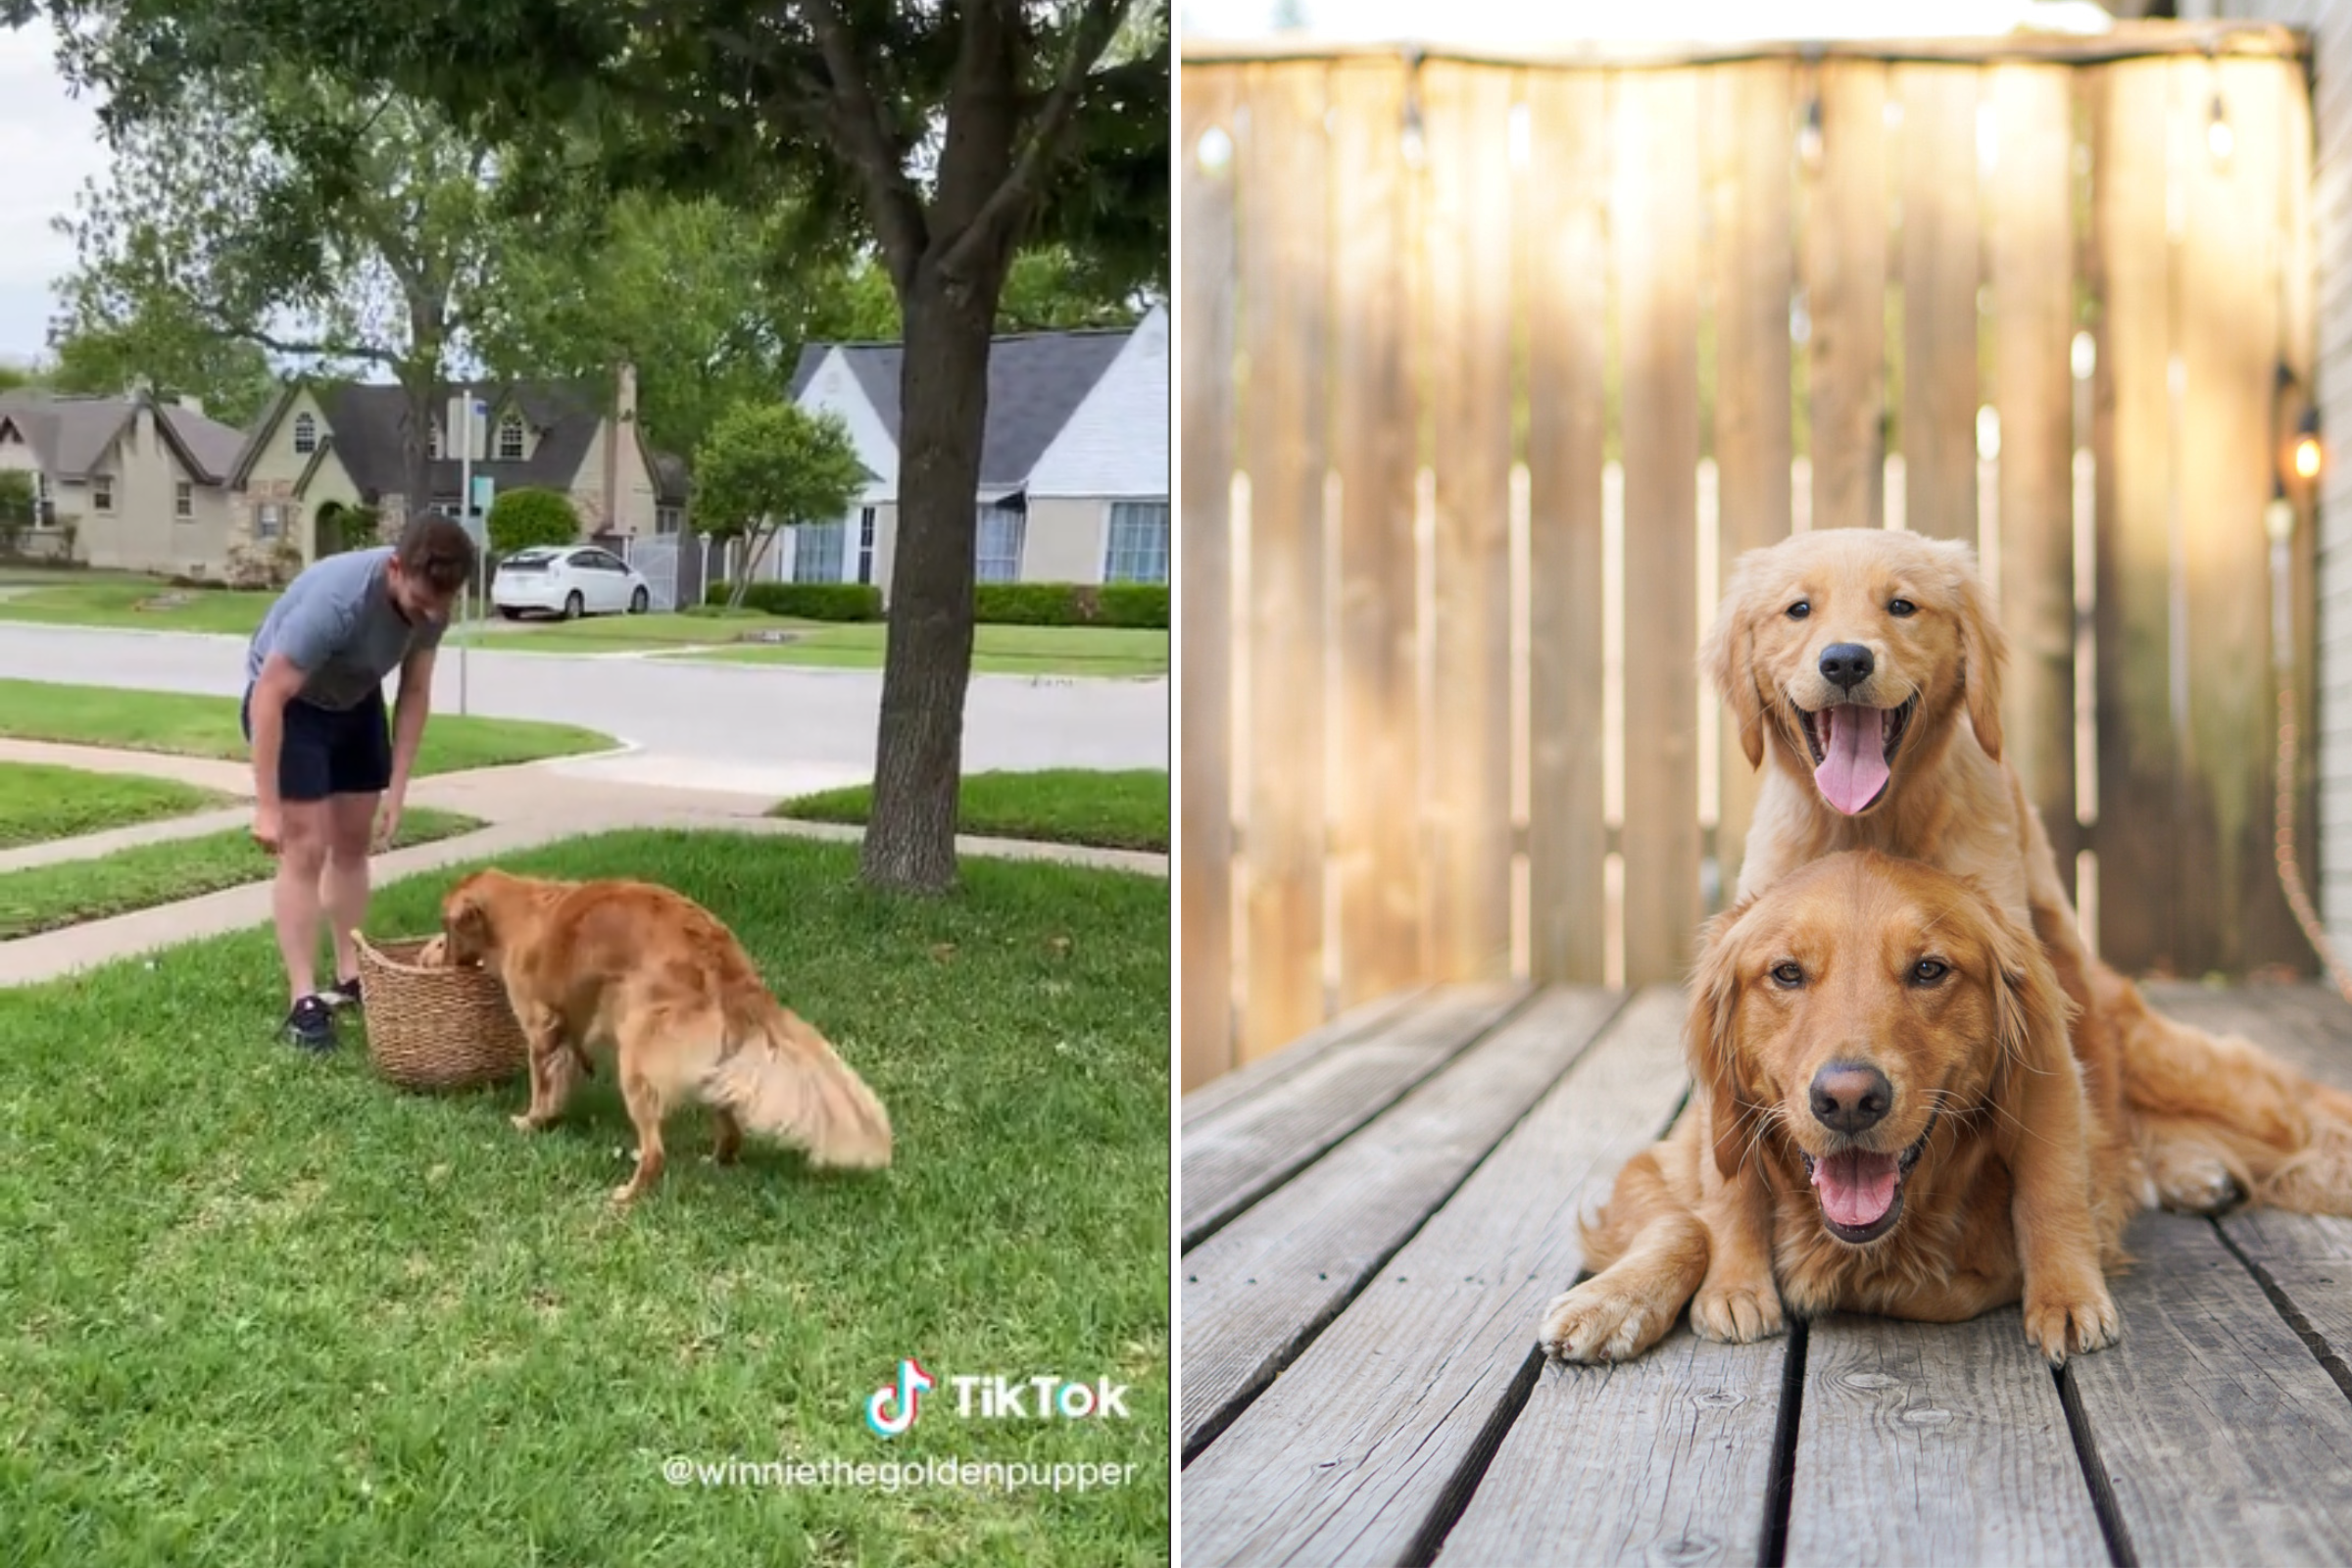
{"x": 1888, "y": 1101}
{"x": 1864, "y": 667}
{"x": 663, "y": 982}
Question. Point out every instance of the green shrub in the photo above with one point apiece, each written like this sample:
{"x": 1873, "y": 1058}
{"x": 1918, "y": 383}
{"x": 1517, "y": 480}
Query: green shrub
{"x": 1071, "y": 603}
{"x": 523, "y": 518}
{"x": 805, "y": 601}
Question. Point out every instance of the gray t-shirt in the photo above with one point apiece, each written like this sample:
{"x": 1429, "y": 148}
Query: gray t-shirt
{"x": 337, "y": 623}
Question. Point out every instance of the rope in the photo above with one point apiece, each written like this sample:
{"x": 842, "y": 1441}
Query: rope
{"x": 2290, "y": 874}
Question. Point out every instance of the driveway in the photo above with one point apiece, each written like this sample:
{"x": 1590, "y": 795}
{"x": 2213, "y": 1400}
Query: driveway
{"x": 759, "y": 729}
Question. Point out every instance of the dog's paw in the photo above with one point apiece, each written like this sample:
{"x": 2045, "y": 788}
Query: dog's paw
{"x": 2196, "y": 1184}
{"x": 1598, "y": 1322}
{"x": 2071, "y": 1321}
{"x": 1737, "y": 1314}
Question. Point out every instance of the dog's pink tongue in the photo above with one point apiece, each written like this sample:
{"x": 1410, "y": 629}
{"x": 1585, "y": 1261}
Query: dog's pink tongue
{"x": 1858, "y": 1187}
{"x": 1854, "y": 769}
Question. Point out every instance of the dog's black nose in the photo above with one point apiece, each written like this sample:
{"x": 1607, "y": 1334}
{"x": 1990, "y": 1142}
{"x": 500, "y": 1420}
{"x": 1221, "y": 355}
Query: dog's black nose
{"x": 1846, "y": 665}
{"x": 1851, "y": 1096}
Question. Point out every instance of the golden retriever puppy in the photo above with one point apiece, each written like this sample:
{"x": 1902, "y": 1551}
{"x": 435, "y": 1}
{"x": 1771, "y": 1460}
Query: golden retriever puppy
{"x": 1883, "y": 1052}
{"x": 663, "y": 982}
{"x": 1864, "y": 667}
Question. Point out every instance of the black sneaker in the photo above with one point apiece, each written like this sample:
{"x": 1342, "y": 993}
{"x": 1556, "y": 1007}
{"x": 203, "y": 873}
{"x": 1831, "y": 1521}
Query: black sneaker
{"x": 343, "y": 993}
{"x": 310, "y": 1025}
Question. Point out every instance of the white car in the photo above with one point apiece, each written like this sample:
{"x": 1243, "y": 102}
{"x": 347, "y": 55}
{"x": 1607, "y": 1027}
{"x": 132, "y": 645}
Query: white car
{"x": 570, "y": 581}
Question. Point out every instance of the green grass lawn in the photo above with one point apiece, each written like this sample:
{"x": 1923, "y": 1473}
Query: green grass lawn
{"x": 1102, "y": 651}
{"x": 40, "y": 802}
{"x": 48, "y": 898}
{"x": 1112, "y": 810}
{"x": 263, "y": 1310}
{"x": 207, "y": 726}
{"x": 145, "y": 603}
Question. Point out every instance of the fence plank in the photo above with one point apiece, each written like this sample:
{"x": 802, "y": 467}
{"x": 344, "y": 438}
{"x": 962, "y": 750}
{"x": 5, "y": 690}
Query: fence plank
{"x": 1961, "y": 1419}
{"x": 1656, "y": 241}
{"x": 1752, "y": 250}
{"x": 1941, "y": 253}
{"x": 1283, "y": 216}
{"x": 1257, "y": 1289}
{"x": 1846, "y": 293}
{"x": 2227, "y": 332}
{"x": 2032, "y": 295}
{"x": 1468, "y": 263}
{"x": 2134, "y": 441}
{"x": 2298, "y": 322}
{"x": 1376, "y": 841}
{"x": 1349, "y": 1457}
{"x": 1567, "y": 291}
{"x": 1204, "y": 554}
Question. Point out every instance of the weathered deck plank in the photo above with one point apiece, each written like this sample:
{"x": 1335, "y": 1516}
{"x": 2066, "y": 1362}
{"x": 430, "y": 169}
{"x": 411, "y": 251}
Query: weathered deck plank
{"x": 1227, "y": 1090}
{"x": 2308, "y": 1259}
{"x": 1364, "y": 1445}
{"x": 1958, "y": 1426}
{"x": 1258, "y": 1289}
{"x": 1664, "y": 1459}
{"x": 2223, "y": 1439}
{"x": 1234, "y": 1160}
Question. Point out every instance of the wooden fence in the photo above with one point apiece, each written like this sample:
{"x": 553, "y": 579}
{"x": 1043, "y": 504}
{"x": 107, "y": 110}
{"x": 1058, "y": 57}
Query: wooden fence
{"x": 1489, "y": 371}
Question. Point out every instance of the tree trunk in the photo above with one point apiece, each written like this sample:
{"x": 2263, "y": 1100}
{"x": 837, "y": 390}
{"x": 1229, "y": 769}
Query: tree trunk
{"x": 419, "y": 376}
{"x": 927, "y": 659}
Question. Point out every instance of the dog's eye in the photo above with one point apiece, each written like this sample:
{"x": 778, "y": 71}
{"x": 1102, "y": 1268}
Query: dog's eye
{"x": 1800, "y": 609}
{"x": 1787, "y": 974}
{"x": 1926, "y": 971}
{"x": 1902, "y": 607}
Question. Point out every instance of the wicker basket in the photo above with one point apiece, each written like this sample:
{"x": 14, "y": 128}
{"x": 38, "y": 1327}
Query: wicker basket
{"x": 436, "y": 1028}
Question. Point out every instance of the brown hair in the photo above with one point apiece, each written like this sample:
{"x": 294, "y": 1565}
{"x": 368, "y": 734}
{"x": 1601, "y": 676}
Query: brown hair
{"x": 438, "y": 550}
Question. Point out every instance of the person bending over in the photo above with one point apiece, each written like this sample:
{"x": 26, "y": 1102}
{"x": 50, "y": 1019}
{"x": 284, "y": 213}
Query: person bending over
{"x": 330, "y": 771}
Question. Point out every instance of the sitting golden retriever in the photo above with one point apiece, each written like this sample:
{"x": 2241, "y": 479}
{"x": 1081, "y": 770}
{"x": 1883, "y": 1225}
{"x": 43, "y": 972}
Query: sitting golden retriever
{"x": 1864, "y": 667}
{"x": 1887, "y": 1116}
{"x": 662, "y": 980}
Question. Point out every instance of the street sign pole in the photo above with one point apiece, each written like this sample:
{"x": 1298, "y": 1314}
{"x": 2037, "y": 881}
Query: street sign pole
{"x": 466, "y": 521}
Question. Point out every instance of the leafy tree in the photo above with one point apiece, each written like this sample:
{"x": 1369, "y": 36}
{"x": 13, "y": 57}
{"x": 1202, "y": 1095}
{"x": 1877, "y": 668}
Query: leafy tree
{"x": 272, "y": 205}
{"x": 164, "y": 349}
{"x": 529, "y": 515}
{"x": 952, "y": 136}
{"x": 767, "y": 467}
{"x": 16, "y": 376}
{"x": 17, "y": 498}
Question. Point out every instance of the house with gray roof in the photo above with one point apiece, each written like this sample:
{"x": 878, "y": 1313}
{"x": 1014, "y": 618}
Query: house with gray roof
{"x": 323, "y": 449}
{"x": 137, "y": 483}
{"x": 1073, "y": 463}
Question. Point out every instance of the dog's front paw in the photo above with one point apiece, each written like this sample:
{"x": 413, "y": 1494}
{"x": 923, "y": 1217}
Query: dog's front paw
{"x": 2071, "y": 1319}
{"x": 1737, "y": 1314}
{"x": 1598, "y": 1322}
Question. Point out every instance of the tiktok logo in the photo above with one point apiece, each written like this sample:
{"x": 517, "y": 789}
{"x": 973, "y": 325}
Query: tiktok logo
{"x": 893, "y": 1406}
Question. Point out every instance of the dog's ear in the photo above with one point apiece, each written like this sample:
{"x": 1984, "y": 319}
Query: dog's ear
{"x": 1729, "y": 659}
{"x": 2032, "y": 1015}
{"x": 1983, "y": 651}
{"x": 466, "y": 928}
{"x": 1712, "y": 1050}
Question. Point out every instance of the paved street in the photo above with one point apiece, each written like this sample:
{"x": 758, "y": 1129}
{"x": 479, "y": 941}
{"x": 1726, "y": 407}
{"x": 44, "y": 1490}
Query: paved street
{"x": 769, "y": 730}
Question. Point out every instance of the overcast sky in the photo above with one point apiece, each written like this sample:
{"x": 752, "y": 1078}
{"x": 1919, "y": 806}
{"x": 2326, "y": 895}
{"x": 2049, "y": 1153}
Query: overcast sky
{"x": 48, "y": 145}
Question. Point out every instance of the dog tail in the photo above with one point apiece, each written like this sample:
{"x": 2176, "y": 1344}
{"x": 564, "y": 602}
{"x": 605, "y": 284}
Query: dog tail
{"x": 783, "y": 1080}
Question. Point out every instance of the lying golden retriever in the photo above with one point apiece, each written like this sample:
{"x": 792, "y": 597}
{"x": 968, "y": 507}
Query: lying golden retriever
{"x": 1864, "y": 667}
{"x": 1886, "y": 1110}
{"x": 663, "y": 981}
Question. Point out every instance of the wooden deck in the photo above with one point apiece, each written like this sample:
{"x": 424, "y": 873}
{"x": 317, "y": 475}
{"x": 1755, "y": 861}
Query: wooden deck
{"x": 1374, "y": 1219}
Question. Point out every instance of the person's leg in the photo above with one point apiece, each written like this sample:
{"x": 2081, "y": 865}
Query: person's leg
{"x": 360, "y": 767}
{"x": 294, "y": 899}
{"x": 349, "y": 823}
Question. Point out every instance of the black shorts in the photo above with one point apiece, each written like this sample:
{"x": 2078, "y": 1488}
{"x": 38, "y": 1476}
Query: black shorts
{"x": 327, "y": 751}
